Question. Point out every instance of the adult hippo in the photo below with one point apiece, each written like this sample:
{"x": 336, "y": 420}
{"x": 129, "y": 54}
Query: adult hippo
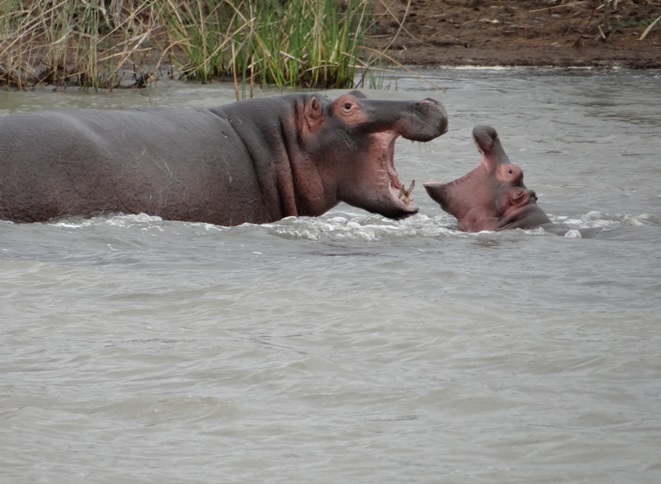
{"x": 255, "y": 161}
{"x": 492, "y": 196}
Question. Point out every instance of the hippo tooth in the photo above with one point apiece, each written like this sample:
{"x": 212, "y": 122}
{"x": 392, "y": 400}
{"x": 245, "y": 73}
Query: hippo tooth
{"x": 408, "y": 192}
{"x": 405, "y": 193}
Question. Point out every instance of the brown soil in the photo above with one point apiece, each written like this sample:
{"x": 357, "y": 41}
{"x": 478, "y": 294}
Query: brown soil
{"x": 560, "y": 33}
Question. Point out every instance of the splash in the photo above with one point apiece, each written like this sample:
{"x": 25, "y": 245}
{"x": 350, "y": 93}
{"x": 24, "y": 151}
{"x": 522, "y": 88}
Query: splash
{"x": 346, "y": 226}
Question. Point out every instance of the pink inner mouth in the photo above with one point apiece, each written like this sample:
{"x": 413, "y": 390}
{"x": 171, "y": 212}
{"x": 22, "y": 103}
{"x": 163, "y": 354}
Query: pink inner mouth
{"x": 397, "y": 190}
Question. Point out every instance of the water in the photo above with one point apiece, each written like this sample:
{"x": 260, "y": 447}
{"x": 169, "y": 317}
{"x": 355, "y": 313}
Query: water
{"x": 351, "y": 348}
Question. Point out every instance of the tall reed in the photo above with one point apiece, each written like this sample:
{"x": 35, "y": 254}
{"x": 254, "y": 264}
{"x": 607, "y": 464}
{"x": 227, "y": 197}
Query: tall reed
{"x": 97, "y": 43}
{"x": 77, "y": 42}
{"x": 293, "y": 43}
{"x": 200, "y": 32}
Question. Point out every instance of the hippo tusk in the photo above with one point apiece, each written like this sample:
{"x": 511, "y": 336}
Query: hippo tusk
{"x": 408, "y": 192}
{"x": 405, "y": 193}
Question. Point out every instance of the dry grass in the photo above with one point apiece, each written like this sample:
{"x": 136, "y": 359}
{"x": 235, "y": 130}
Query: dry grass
{"x": 112, "y": 43}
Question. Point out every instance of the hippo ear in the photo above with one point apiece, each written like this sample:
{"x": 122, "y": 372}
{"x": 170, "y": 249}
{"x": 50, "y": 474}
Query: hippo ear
{"x": 358, "y": 94}
{"x": 518, "y": 196}
{"x": 313, "y": 111}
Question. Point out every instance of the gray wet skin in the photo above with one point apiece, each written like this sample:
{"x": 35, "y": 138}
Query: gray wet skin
{"x": 255, "y": 161}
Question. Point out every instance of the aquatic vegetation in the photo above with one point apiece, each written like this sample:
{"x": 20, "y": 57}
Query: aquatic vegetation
{"x": 108, "y": 43}
{"x": 66, "y": 42}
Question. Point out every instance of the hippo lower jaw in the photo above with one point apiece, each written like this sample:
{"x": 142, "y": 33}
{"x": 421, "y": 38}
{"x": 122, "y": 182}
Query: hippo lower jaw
{"x": 399, "y": 193}
{"x": 401, "y": 198}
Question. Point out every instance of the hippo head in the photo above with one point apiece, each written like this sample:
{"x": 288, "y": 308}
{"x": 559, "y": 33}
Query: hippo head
{"x": 492, "y": 196}
{"x": 351, "y": 141}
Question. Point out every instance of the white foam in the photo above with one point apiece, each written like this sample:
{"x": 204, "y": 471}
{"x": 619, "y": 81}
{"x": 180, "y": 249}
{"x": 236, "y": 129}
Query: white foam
{"x": 112, "y": 220}
{"x": 340, "y": 226}
{"x": 574, "y": 234}
{"x": 131, "y": 219}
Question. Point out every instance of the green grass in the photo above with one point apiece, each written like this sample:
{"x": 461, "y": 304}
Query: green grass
{"x": 305, "y": 43}
{"x": 66, "y": 42}
{"x": 309, "y": 43}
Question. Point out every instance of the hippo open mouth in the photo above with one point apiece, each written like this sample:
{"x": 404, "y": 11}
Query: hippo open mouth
{"x": 361, "y": 137}
{"x": 399, "y": 194}
{"x": 370, "y": 180}
{"x": 429, "y": 121}
{"x": 492, "y": 196}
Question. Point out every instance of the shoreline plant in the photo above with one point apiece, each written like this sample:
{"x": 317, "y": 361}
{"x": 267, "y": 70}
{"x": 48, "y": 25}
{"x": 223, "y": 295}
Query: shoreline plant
{"x": 106, "y": 44}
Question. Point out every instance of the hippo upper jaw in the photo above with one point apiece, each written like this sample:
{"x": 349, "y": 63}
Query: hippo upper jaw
{"x": 427, "y": 121}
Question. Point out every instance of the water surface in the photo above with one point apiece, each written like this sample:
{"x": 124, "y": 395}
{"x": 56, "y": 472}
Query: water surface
{"x": 352, "y": 348}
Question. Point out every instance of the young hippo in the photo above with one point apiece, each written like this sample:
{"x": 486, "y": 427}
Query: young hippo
{"x": 492, "y": 196}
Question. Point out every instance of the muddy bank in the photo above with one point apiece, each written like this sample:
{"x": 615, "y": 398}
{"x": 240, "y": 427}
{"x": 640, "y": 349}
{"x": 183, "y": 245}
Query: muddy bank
{"x": 523, "y": 33}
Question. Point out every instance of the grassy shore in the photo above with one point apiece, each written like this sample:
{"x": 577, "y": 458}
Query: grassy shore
{"x": 307, "y": 43}
{"x": 112, "y": 43}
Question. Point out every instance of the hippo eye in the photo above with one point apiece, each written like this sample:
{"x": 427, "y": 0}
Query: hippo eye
{"x": 347, "y": 106}
{"x": 510, "y": 171}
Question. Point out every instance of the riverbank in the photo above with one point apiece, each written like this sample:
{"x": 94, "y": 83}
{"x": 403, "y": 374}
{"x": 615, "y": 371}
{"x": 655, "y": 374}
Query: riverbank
{"x": 556, "y": 33}
{"x": 137, "y": 43}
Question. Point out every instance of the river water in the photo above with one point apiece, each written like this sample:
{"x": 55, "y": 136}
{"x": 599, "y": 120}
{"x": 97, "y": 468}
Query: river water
{"x": 352, "y": 348}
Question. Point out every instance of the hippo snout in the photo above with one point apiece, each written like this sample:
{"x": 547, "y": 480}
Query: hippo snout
{"x": 430, "y": 100}
{"x": 433, "y": 114}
